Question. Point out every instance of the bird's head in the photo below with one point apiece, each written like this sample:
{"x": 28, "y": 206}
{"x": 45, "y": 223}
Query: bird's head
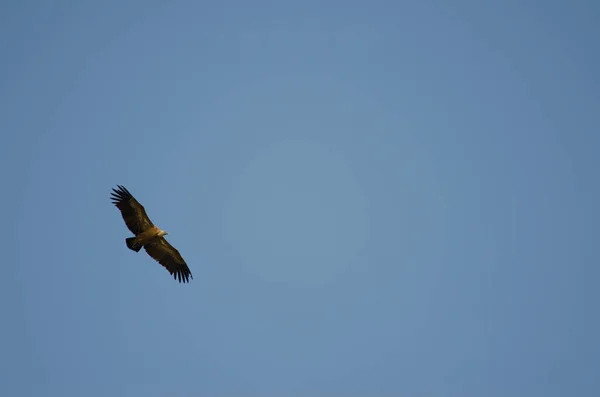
{"x": 163, "y": 233}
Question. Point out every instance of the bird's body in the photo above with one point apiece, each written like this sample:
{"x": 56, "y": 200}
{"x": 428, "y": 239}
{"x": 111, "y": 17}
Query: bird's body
{"x": 148, "y": 235}
{"x": 144, "y": 238}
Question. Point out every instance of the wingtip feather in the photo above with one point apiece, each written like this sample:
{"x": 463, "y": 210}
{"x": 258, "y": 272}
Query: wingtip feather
{"x": 121, "y": 194}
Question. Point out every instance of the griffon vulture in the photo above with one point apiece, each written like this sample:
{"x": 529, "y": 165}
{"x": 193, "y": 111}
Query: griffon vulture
{"x": 148, "y": 235}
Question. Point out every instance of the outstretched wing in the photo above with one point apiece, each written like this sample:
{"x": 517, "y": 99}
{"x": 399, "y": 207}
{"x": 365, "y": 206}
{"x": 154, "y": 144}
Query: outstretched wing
{"x": 133, "y": 212}
{"x": 168, "y": 256}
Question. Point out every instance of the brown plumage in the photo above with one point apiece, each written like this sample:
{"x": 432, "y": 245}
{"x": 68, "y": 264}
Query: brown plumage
{"x": 148, "y": 235}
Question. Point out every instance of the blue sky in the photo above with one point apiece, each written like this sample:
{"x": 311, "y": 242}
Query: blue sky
{"x": 375, "y": 198}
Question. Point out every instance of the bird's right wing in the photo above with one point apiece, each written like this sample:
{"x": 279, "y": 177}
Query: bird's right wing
{"x": 132, "y": 211}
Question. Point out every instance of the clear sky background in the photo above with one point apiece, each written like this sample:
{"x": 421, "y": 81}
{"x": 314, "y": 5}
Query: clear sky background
{"x": 375, "y": 198}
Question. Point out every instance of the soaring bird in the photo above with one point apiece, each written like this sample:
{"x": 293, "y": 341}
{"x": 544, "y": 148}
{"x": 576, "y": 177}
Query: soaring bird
{"x": 148, "y": 235}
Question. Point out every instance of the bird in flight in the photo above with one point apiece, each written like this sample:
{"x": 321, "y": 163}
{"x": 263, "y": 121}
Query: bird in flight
{"x": 148, "y": 235}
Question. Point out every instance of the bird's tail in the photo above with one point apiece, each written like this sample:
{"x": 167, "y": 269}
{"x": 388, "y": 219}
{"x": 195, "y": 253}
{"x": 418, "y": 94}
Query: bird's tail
{"x": 132, "y": 244}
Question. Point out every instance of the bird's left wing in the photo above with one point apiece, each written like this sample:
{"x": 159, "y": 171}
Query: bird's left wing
{"x": 168, "y": 256}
